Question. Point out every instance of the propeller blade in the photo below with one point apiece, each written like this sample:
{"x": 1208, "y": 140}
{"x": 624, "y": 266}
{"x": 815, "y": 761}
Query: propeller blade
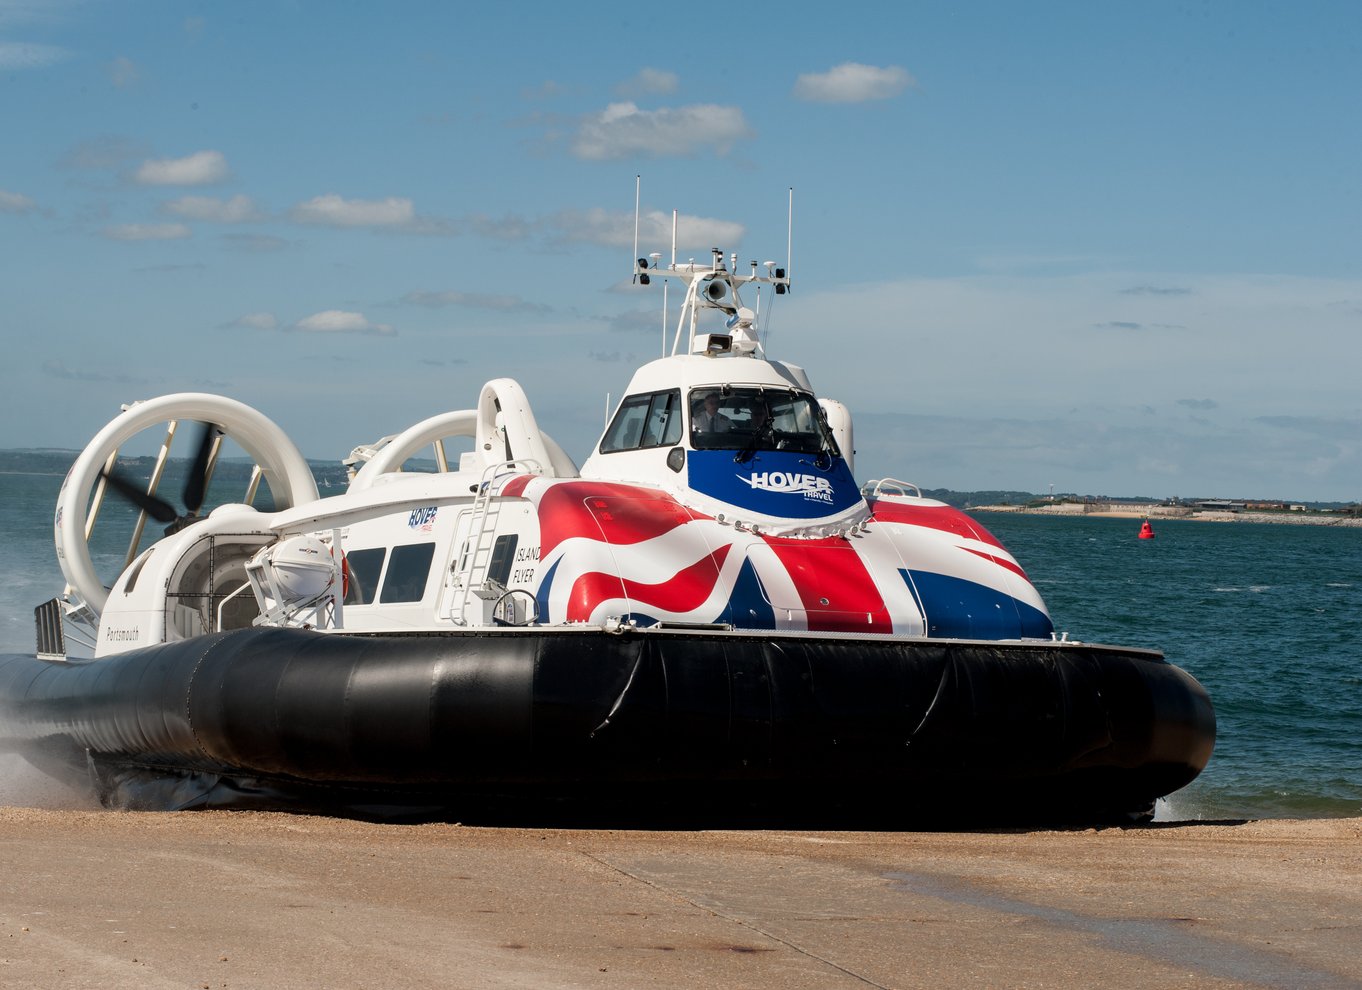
{"x": 158, "y": 509}
{"x": 196, "y": 483}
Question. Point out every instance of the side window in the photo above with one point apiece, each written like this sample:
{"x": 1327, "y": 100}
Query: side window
{"x": 664, "y": 419}
{"x": 365, "y": 566}
{"x": 407, "y": 573}
{"x": 503, "y": 554}
{"x": 626, "y": 431}
{"x": 649, "y": 420}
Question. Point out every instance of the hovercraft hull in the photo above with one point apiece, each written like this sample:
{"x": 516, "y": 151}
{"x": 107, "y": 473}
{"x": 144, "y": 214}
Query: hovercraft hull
{"x": 838, "y": 727}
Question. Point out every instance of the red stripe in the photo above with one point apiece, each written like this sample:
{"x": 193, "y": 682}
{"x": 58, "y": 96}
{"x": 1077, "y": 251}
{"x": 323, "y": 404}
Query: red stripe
{"x": 830, "y": 569}
{"x": 617, "y": 514}
{"x": 945, "y": 518}
{"x": 679, "y": 594}
{"x": 1001, "y": 562}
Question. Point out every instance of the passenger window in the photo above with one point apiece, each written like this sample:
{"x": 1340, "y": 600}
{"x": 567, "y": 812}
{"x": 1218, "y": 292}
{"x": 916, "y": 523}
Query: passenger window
{"x": 652, "y": 419}
{"x": 407, "y": 573}
{"x": 364, "y": 566}
{"x": 626, "y": 431}
{"x": 664, "y": 419}
{"x": 503, "y": 553}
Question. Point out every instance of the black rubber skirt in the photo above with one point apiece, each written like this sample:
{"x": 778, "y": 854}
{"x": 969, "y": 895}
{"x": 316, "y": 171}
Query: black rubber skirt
{"x": 653, "y": 723}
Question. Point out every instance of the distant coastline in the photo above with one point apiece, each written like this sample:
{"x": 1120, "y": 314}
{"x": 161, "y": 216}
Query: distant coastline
{"x": 47, "y": 462}
{"x": 1118, "y": 510}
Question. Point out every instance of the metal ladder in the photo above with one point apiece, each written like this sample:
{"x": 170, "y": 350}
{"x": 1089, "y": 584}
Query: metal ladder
{"x": 482, "y": 535}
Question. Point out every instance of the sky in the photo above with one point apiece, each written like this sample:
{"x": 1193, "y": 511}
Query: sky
{"x": 1092, "y": 248}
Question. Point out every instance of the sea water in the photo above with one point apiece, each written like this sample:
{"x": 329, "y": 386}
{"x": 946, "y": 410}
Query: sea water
{"x": 1267, "y": 617}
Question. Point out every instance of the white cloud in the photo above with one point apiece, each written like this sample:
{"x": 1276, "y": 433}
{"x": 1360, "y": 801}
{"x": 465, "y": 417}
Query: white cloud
{"x": 123, "y": 72}
{"x": 198, "y": 169}
{"x": 392, "y": 213}
{"x": 613, "y": 228}
{"x": 335, "y": 211}
{"x": 340, "y": 321}
{"x": 852, "y": 82}
{"x": 15, "y": 203}
{"x": 505, "y": 228}
{"x": 649, "y": 81}
{"x": 108, "y": 151}
{"x": 622, "y": 130}
{"x": 473, "y": 300}
{"x": 254, "y": 243}
{"x": 546, "y": 90}
{"x": 1335, "y": 429}
{"x": 1111, "y": 451}
{"x": 1271, "y": 348}
{"x": 238, "y": 209}
{"x": 15, "y": 55}
{"x": 147, "y": 232}
{"x": 256, "y": 321}
{"x": 616, "y": 229}
{"x": 57, "y": 369}
{"x": 1155, "y": 290}
{"x": 49, "y": 12}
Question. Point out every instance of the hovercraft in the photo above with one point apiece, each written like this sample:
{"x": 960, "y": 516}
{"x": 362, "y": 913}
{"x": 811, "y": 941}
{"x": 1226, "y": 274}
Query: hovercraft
{"x": 710, "y": 612}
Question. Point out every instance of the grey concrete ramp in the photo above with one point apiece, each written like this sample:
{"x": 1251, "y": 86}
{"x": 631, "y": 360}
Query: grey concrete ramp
{"x": 98, "y": 899}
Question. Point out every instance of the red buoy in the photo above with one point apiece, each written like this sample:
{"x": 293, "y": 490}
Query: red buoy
{"x": 1146, "y": 531}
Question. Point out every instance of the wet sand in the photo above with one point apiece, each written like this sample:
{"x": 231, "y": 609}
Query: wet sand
{"x": 241, "y": 899}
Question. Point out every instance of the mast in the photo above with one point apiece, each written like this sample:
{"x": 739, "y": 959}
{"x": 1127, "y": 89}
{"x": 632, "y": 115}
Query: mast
{"x": 715, "y": 286}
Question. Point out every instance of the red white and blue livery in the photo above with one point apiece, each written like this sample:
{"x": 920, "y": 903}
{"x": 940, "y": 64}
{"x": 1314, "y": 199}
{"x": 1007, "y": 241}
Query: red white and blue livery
{"x": 711, "y": 613}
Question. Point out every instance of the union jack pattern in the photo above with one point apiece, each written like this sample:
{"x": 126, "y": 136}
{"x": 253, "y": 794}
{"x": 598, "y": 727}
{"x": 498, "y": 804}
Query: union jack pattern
{"x": 633, "y": 552}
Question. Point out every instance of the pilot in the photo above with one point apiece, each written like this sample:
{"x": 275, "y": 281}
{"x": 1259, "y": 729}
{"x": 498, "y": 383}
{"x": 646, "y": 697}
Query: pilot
{"x": 760, "y": 416}
{"x": 708, "y": 419}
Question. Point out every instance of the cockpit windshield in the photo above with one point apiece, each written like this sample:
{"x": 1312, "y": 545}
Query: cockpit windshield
{"x": 752, "y": 419}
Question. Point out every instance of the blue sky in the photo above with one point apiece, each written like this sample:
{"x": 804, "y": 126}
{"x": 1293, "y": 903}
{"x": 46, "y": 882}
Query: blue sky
{"x": 1109, "y": 248}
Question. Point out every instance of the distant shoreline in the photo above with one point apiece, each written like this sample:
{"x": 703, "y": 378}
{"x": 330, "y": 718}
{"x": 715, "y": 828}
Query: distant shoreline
{"x": 1101, "y": 509}
{"x": 1127, "y": 511}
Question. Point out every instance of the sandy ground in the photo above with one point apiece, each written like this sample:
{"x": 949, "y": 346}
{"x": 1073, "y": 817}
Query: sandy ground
{"x": 238, "y": 899}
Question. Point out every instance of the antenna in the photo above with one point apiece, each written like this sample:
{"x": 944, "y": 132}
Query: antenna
{"x": 789, "y": 239}
{"x": 638, "y": 187}
{"x": 715, "y": 286}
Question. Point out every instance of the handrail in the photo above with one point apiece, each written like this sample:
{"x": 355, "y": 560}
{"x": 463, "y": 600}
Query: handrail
{"x": 881, "y": 486}
{"x": 482, "y": 530}
{"x": 217, "y": 623}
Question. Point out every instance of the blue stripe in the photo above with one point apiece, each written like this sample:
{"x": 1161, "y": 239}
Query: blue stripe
{"x": 542, "y": 595}
{"x": 774, "y": 482}
{"x": 747, "y": 605}
{"x": 958, "y": 609}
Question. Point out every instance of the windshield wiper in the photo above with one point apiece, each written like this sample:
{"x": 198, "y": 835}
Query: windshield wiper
{"x": 747, "y": 453}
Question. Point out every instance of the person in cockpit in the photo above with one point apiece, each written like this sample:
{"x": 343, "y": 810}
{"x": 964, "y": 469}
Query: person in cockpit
{"x": 708, "y": 419}
{"x": 760, "y": 417}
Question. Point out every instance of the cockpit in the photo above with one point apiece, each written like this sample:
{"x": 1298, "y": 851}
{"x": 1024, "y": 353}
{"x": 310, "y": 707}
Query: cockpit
{"x": 739, "y": 418}
{"x": 755, "y": 418}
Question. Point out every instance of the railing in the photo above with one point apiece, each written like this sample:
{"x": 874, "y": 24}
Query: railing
{"x": 482, "y": 531}
{"x": 890, "y": 486}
